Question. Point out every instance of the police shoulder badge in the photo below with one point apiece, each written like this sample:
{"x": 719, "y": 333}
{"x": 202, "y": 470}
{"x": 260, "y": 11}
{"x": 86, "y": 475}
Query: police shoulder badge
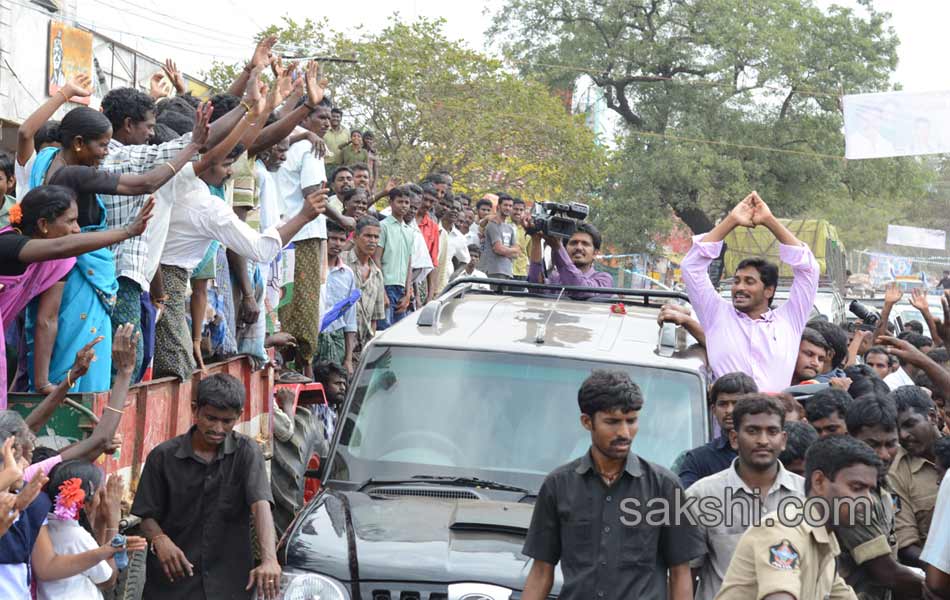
{"x": 783, "y": 556}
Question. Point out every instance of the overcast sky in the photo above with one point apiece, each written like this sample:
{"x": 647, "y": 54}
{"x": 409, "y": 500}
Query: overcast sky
{"x": 224, "y": 28}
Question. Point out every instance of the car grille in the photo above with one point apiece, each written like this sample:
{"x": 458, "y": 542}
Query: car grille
{"x": 412, "y": 591}
{"x": 383, "y": 591}
{"x": 449, "y": 494}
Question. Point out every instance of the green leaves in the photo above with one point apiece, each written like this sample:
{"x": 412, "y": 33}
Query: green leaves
{"x": 434, "y": 104}
{"x": 719, "y": 97}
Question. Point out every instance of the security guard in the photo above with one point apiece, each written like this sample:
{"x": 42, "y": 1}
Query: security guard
{"x": 792, "y": 552}
{"x": 868, "y": 561}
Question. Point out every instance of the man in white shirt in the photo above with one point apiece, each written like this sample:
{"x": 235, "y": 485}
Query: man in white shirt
{"x": 936, "y": 553}
{"x": 301, "y": 175}
{"x": 453, "y": 247}
{"x": 266, "y": 167}
{"x": 198, "y": 219}
{"x": 758, "y": 433}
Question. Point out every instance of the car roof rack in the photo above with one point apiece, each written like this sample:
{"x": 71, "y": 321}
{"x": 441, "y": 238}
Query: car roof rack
{"x": 518, "y": 288}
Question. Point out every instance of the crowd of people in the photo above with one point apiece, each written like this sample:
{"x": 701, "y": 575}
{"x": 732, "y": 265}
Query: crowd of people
{"x": 826, "y": 475}
{"x": 178, "y": 232}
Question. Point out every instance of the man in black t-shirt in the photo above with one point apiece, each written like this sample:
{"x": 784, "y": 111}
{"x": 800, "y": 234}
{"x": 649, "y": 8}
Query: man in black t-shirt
{"x": 945, "y": 282}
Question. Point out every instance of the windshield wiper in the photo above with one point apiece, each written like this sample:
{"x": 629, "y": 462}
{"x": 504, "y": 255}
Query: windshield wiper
{"x": 450, "y": 480}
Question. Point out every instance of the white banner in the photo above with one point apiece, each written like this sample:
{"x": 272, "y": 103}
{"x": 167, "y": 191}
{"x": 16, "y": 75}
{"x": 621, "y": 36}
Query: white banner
{"x": 896, "y": 124}
{"x": 900, "y": 235}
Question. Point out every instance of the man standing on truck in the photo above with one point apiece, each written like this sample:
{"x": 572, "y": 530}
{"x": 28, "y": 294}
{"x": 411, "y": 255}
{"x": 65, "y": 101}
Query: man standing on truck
{"x": 747, "y": 335}
{"x": 196, "y": 498}
{"x": 590, "y": 514}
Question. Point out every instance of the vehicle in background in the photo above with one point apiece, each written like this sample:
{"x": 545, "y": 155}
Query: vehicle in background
{"x": 455, "y": 417}
{"x": 828, "y": 304}
{"x": 821, "y": 236}
{"x": 860, "y": 286}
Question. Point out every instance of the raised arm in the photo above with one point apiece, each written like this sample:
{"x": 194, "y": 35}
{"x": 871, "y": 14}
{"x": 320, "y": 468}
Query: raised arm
{"x": 801, "y": 296}
{"x": 892, "y": 295}
{"x": 135, "y": 184}
{"x": 707, "y": 247}
{"x": 123, "y": 360}
{"x": 79, "y": 86}
{"x": 44, "y": 411}
{"x": 919, "y": 301}
{"x": 39, "y": 250}
{"x": 909, "y": 354}
{"x": 285, "y": 126}
{"x": 261, "y": 58}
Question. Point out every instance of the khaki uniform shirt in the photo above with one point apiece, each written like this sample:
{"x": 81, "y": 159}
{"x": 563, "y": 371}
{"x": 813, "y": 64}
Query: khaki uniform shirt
{"x": 914, "y": 482}
{"x": 773, "y": 558}
{"x": 721, "y": 538}
{"x": 862, "y": 542}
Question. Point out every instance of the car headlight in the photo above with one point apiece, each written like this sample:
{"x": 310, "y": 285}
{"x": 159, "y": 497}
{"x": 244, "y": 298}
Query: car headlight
{"x": 311, "y": 586}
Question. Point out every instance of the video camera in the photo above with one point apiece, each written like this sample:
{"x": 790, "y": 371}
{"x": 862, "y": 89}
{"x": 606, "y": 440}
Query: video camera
{"x": 867, "y": 315}
{"x": 557, "y": 219}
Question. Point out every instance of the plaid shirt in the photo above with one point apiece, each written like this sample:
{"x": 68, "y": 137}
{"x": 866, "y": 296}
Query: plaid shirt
{"x": 130, "y": 255}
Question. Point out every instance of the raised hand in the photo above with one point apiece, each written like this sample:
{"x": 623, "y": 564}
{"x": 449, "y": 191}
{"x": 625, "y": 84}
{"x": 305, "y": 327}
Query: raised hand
{"x": 137, "y": 227}
{"x": 79, "y": 85}
{"x": 918, "y": 299}
{"x": 8, "y": 512}
{"x": 174, "y": 75}
{"x": 252, "y": 91}
{"x": 744, "y": 212}
{"x": 762, "y": 213}
{"x": 11, "y": 473}
{"x": 202, "y": 129}
{"x": 158, "y": 87}
{"x": 893, "y": 293}
{"x": 30, "y": 491}
{"x": 84, "y": 358}
{"x": 316, "y": 85}
{"x": 123, "y": 348}
{"x": 110, "y": 505}
{"x": 262, "y": 53}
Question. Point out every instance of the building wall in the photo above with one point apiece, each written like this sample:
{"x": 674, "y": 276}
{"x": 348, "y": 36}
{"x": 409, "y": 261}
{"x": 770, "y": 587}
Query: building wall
{"x": 24, "y": 33}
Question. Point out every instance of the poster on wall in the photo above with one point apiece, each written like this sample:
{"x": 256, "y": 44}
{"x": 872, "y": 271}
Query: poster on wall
{"x": 70, "y": 53}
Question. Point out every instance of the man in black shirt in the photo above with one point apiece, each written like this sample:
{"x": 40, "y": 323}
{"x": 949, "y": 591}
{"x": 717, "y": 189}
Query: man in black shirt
{"x": 596, "y": 516}
{"x": 945, "y": 281}
{"x": 715, "y": 456}
{"x": 196, "y": 497}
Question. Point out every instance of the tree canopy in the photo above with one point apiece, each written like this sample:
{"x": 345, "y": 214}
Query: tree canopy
{"x": 719, "y": 97}
{"x": 435, "y": 105}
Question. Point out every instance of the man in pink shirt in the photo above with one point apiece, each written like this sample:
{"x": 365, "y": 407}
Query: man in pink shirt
{"x": 746, "y": 334}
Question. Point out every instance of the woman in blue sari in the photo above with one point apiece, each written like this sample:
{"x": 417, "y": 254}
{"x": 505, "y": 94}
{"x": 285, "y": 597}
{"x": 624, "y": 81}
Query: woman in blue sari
{"x": 70, "y": 314}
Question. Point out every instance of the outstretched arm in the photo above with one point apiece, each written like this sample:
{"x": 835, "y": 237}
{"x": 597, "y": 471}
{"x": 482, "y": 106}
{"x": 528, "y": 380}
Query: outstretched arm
{"x": 39, "y": 250}
{"x": 798, "y": 256}
{"x": 135, "y": 184}
{"x": 123, "y": 359}
{"x": 79, "y": 86}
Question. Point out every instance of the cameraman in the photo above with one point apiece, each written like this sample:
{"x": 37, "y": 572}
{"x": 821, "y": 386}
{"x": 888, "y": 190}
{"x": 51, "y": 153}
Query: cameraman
{"x": 573, "y": 265}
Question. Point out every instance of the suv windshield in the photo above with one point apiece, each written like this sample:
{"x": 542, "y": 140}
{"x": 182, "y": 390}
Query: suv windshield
{"x": 510, "y": 418}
